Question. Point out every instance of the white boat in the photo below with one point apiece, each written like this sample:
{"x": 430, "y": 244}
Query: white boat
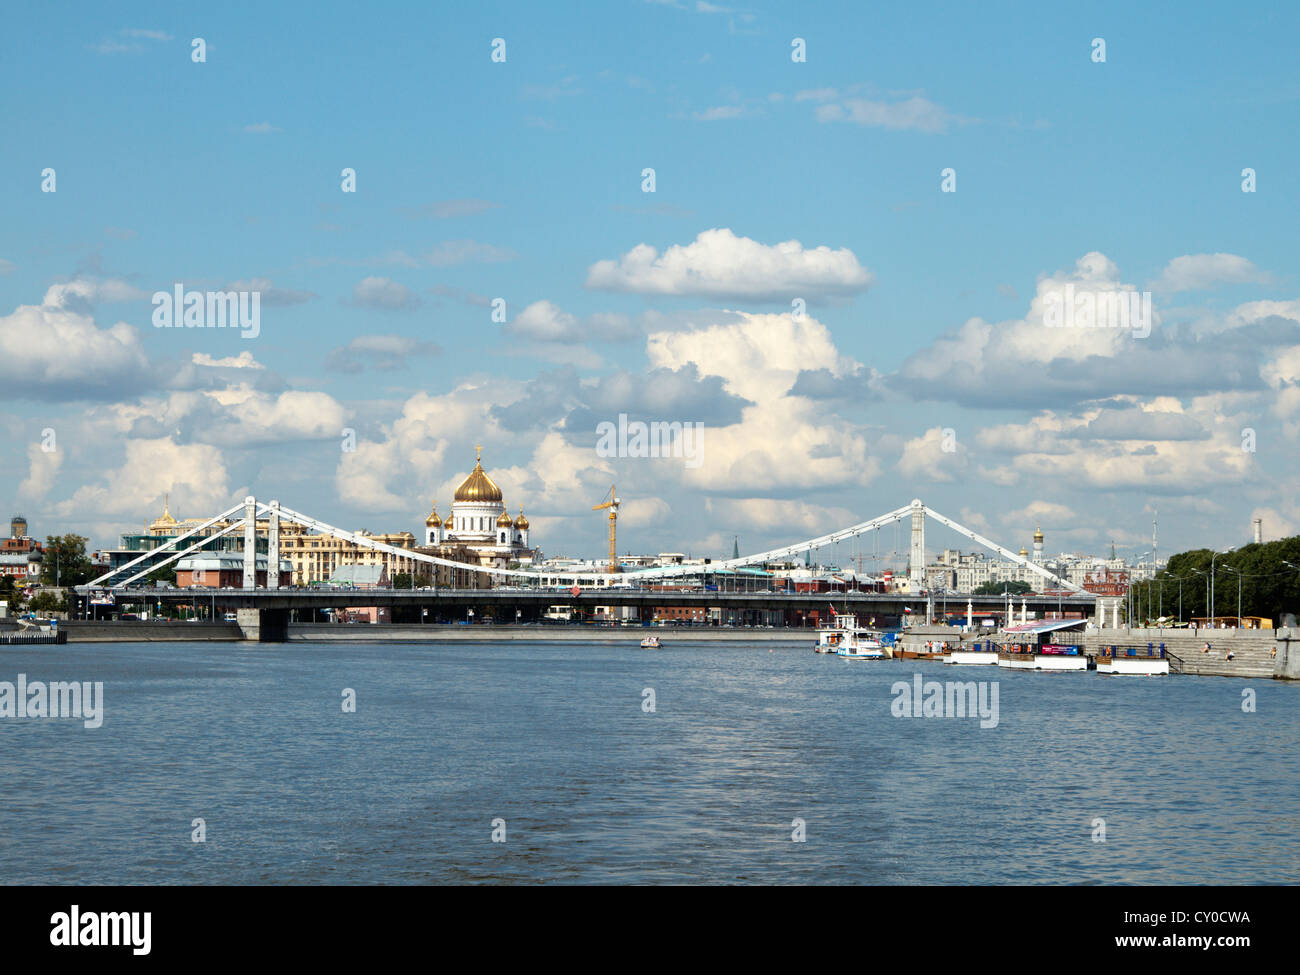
{"x": 651, "y": 643}
{"x": 1121, "y": 663}
{"x": 847, "y": 639}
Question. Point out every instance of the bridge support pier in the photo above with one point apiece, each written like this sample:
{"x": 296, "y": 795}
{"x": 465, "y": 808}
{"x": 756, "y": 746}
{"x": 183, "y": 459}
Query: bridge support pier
{"x": 250, "y": 542}
{"x": 264, "y": 625}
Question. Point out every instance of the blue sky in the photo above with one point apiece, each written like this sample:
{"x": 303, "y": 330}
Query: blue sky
{"x": 478, "y": 180}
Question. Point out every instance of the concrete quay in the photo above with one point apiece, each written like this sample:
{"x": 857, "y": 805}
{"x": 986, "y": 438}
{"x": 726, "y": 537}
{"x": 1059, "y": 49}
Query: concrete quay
{"x": 1252, "y": 650}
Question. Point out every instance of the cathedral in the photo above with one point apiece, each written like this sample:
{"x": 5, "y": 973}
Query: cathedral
{"x": 479, "y": 528}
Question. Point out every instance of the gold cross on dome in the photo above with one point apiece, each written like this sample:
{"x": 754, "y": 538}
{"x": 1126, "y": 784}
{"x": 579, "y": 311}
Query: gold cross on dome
{"x": 478, "y": 451}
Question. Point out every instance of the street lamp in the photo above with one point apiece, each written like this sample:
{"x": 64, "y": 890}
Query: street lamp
{"x": 1215, "y": 556}
{"x": 1228, "y": 568}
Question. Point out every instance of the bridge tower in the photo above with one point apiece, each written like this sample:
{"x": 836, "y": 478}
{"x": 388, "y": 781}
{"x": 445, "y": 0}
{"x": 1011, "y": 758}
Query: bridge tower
{"x": 273, "y": 547}
{"x": 916, "y": 561}
{"x": 250, "y": 542}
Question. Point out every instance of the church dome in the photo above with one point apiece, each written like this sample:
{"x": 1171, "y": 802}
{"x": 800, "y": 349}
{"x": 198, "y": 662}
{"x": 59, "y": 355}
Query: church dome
{"x": 478, "y": 486}
{"x": 448, "y": 525}
{"x": 1038, "y": 535}
{"x": 433, "y": 521}
{"x": 503, "y": 520}
{"x": 521, "y": 522}
{"x": 1022, "y": 551}
{"x": 166, "y": 521}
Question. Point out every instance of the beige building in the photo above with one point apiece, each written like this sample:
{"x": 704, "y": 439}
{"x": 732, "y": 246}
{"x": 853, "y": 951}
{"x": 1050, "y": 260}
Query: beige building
{"x": 317, "y": 557}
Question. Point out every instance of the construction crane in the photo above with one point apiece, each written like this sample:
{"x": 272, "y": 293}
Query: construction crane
{"x": 611, "y": 502}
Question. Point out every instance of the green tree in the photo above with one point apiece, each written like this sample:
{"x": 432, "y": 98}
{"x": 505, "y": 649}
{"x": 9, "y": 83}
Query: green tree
{"x": 45, "y": 602}
{"x": 10, "y": 591}
{"x": 65, "y": 562}
{"x": 1268, "y": 585}
{"x": 998, "y": 588}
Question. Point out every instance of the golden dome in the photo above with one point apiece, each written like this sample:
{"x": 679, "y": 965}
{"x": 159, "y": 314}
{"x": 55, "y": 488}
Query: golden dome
{"x": 521, "y": 521}
{"x": 1022, "y": 550}
{"x": 447, "y": 523}
{"x": 478, "y": 486}
{"x": 433, "y": 521}
{"x": 166, "y": 521}
{"x": 503, "y": 520}
{"x": 1038, "y": 535}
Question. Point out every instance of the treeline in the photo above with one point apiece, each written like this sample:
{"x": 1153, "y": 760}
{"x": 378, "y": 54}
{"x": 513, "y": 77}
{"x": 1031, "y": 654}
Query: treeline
{"x": 1269, "y": 577}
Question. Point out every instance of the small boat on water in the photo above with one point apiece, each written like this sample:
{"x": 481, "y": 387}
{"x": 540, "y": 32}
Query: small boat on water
{"x": 651, "y": 643}
{"x": 845, "y": 638}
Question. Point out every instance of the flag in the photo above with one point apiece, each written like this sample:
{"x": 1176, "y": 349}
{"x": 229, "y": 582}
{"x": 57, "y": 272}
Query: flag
{"x": 833, "y": 613}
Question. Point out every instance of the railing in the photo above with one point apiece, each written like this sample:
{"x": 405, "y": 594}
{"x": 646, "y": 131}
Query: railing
{"x": 1151, "y": 651}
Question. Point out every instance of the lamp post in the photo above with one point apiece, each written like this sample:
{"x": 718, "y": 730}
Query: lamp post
{"x": 1212, "y": 558}
{"x": 1228, "y": 568}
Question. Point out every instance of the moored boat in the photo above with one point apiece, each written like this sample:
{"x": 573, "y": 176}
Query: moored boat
{"x": 846, "y": 638}
{"x": 651, "y": 643}
{"x": 1113, "y": 660}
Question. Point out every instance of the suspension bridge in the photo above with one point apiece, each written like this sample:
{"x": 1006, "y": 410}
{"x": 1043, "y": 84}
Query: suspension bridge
{"x": 512, "y": 592}
{"x": 247, "y": 514}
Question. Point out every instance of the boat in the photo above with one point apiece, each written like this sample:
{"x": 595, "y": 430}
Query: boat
{"x": 1115, "y": 660}
{"x": 1049, "y": 656}
{"x": 846, "y": 638}
{"x": 651, "y": 643}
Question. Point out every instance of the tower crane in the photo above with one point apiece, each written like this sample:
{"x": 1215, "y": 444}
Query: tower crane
{"x": 611, "y": 502}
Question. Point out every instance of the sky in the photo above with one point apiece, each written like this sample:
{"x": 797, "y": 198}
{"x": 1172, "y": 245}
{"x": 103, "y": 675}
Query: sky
{"x": 845, "y": 272}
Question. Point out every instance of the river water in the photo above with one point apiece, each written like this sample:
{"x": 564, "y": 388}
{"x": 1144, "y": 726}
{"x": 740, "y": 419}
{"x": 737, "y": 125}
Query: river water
{"x": 555, "y": 742}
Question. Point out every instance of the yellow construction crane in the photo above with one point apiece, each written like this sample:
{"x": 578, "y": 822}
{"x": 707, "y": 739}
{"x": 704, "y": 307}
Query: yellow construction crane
{"x": 611, "y": 502}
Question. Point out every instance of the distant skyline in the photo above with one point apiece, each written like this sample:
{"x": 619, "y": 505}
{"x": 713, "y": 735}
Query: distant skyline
{"x": 849, "y": 335}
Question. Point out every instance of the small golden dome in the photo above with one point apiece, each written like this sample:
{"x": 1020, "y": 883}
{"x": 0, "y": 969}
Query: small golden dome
{"x": 433, "y": 521}
{"x": 521, "y": 521}
{"x": 1022, "y": 550}
{"x": 166, "y": 521}
{"x": 478, "y": 486}
{"x": 447, "y": 524}
{"x": 1038, "y": 535}
{"x": 503, "y": 520}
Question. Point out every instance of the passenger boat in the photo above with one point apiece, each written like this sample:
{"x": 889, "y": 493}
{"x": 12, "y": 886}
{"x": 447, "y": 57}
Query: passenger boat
{"x": 1047, "y": 657}
{"x": 845, "y": 638}
{"x": 1114, "y": 660}
{"x": 651, "y": 643}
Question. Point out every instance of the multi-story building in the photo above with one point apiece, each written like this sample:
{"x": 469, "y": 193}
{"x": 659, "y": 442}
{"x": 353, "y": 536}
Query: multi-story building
{"x": 316, "y": 557}
{"x": 20, "y": 554}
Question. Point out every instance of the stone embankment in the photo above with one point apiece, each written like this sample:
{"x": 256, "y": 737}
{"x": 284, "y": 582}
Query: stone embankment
{"x": 1232, "y": 653}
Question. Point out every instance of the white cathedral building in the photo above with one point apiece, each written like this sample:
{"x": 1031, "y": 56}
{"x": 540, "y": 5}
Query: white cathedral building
{"x": 480, "y": 523}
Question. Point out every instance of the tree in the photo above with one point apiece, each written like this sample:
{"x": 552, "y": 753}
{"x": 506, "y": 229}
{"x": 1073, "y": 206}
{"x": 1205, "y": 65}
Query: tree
{"x": 45, "y": 602}
{"x": 1269, "y": 587}
{"x": 10, "y": 591}
{"x": 65, "y": 562}
{"x": 166, "y": 574}
{"x": 998, "y": 588}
